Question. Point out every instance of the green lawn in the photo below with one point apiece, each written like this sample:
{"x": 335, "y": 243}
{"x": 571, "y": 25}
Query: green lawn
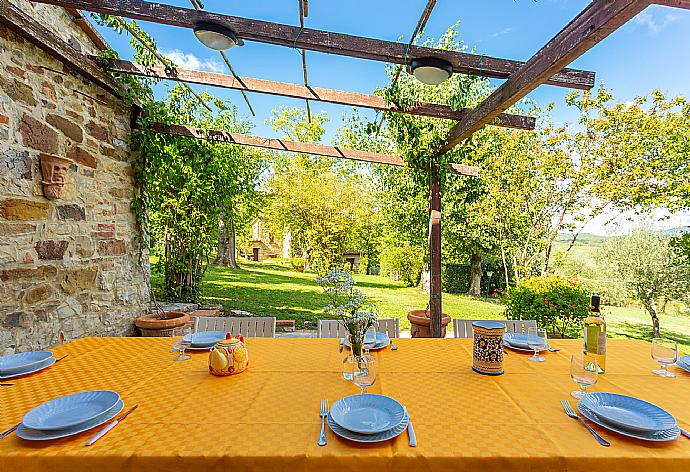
{"x": 270, "y": 289}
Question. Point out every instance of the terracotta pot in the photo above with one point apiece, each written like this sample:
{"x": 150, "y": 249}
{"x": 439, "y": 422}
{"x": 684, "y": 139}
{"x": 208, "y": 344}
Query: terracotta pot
{"x": 419, "y": 321}
{"x": 54, "y": 170}
{"x": 161, "y": 324}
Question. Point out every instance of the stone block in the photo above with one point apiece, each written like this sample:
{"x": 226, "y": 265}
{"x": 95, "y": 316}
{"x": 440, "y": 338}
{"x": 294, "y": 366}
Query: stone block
{"x": 18, "y": 319}
{"x": 4, "y": 133}
{"x": 82, "y": 156}
{"x": 18, "y": 71}
{"x": 16, "y": 229}
{"x": 51, "y": 250}
{"x": 78, "y": 278}
{"x": 25, "y": 273}
{"x": 19, "y": 91}
{"x": 19, "y": 209}
{"x": 16, "y": 162}
{"x": 103, "y": 234}
{"x": 111, "y": 247}
{"x": 71, "y": 212}
{"x": 69, "y": 128}
{"x": 106, "y": 226}
{"x": 4, "y": 120}
{"x": 97, "y": 131}
{"x": 38, "y": 135}
{"x": 38, "y": 294}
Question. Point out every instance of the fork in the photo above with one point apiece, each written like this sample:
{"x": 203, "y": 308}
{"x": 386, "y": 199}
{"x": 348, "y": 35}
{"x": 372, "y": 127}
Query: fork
{"x": 393, "y": 346}
{"x": 323, "y": 412}
{"x": 9, "y": 431}
{"x": 570, "y": 412}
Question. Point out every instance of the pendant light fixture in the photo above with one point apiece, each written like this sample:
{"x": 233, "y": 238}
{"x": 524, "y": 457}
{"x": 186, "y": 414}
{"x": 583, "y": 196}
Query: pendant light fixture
{"x": 431, "y": 70}
{"x": 216, "y": 36}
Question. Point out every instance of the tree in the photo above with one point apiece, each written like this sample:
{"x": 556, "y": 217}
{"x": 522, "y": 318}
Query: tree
{"x": 648, "y": 265}
{"x": 318, "y": 200}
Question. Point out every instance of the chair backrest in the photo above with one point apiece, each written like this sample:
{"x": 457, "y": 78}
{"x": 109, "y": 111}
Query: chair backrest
{"x": 463, "y": 328}
{"x": 251, "y": 327}
{"x": 330, "y": 329}
{"x": 390, "y": 326}
{"x": 335, "y": 329}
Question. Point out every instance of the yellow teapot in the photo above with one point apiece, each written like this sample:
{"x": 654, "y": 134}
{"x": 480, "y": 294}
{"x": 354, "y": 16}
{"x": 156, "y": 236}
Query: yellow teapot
{"x": 228, "y": 357}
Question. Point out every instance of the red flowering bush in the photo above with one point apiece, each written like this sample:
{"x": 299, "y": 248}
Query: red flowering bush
{"x": 559, "y": 304}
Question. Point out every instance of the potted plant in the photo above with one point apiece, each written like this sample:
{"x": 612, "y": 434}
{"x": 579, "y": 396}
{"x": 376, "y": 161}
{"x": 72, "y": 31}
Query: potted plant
{"x": 420, "y": 321}
{"x": 350, "y": 306}
{"x": 161, "y": 323}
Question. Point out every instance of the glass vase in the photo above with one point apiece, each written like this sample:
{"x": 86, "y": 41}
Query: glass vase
{"x": 356, "y": 345}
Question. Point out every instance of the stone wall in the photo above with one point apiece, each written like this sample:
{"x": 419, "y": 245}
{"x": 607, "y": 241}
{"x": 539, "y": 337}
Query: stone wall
{"x": 70, "y": 266}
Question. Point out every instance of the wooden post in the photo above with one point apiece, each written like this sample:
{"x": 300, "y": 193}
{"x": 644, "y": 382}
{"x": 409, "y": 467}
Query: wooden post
{"x": 435, "y": 306}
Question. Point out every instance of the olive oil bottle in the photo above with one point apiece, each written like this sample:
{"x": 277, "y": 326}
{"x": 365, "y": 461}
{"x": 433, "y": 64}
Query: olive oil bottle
{"x": 595, "y": 334}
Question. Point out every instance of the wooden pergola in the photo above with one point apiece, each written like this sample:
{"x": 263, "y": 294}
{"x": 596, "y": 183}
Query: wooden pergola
{"x": 548, "y": 66}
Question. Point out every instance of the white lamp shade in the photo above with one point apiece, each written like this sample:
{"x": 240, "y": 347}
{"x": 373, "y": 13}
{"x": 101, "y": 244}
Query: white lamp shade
{"x": 431, "y": 71}
{"x": 215, "y": 36}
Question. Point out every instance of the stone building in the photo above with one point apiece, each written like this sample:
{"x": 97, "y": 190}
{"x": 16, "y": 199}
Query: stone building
{"x": 69, "y": 266}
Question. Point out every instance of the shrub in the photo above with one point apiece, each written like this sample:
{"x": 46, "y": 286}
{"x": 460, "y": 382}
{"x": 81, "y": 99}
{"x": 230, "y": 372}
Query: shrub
{"x": 402, "y": 262}
{"x": 297, "y": 263}
{"x": 557, "y": 303}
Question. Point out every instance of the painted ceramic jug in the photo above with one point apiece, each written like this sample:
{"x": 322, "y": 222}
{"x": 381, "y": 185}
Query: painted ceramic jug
{"x": 228, "y": 357}
{"x": 487, "y": 355}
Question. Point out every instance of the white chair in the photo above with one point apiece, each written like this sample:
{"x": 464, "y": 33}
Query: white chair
{"x": 463, "y": 328}
{"x": 335, "y": 329}
{"x": 251, "y": 327}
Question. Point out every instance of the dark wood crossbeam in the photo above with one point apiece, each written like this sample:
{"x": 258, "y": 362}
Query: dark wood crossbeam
{"x": 294, "y": 146}
{"x": 40, "y": 36}
{"x": 675, "y": 3}
{"x": 592, "y": 25}
{"x": 312, "y": 93}
{"x": 322, "y": 41}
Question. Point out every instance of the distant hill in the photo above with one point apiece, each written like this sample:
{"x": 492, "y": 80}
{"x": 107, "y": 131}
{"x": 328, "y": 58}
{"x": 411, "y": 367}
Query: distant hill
{"x": 589, "y": 239}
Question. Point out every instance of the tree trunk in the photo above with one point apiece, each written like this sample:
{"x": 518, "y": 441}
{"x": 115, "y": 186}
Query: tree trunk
{"x": 651, "y": 308}
{"x": 226, "y": 243}
{"x": 475, "y": 276}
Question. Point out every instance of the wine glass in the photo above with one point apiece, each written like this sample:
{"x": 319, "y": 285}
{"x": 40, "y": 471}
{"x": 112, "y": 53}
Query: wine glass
{"x": 536, "y": 340}
{"x": 665, "y": 352}
{"x": 584, "y": 371}
{"x": 364, "y": 372}
{"x": 183, "y": 343}
{"x": 370, "y": 338}
{"x": 349, "y": 364}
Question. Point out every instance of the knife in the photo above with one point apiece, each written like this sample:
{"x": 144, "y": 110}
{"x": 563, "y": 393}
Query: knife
{"x": 102, "y": 432}
{"x": 685, "y": 433}
{"x": 410, "y": 430}
{"x": 9, "y": 431}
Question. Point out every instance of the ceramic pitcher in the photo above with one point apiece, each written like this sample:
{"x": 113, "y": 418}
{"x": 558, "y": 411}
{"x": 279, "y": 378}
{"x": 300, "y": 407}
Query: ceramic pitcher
{"x": 228, "y": 357}
{"x": 487, "y": 355}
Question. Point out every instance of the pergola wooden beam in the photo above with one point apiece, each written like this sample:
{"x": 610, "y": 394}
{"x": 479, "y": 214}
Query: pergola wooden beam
{"x": 294, "y": 146}
{"x": 592, "y": 25}
{"x": 40, "y": 36}
{"x": 340, "y": 97}
{"x": 675, "y": 3}
{"x": 321, "y": 41}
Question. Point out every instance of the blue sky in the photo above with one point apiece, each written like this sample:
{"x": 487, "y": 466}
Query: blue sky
{"x": 651, "y": 51}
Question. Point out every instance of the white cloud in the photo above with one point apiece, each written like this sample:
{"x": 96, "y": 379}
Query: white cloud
{"x": 652, "y": 22}
{"x": 502, "y": 32}
{"x": 190, "y": 61}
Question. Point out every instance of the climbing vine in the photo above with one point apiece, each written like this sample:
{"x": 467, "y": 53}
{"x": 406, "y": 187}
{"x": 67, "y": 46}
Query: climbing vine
{"x": 183, "y": 184}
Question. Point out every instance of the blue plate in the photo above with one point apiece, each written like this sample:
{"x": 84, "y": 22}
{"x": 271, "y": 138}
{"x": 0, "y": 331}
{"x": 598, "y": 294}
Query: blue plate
{"x": 38, "y": 435}
{"x": 628, "y": 413}
{"x": 33, "y": 368}
{"x": 22, "y": 362}
{"x": 520, "y": 340}
{"x": 382, "y": 340}
{"x": 205, "y": 339}
{"x": 367, "y": 414}
{"x": 368, "y": 438}
{"x": 684, "y": 363}
{"x": 657, "y": 436}
{"x": 70, "y": 410}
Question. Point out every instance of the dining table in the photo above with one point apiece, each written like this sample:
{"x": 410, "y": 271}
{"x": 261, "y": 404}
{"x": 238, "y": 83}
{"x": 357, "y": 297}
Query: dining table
{"x": 267, "y": 418}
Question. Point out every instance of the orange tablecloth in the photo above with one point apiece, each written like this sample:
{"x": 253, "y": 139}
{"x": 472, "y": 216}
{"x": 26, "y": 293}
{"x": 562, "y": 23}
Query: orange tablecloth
{"x": 267, "y": 418}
